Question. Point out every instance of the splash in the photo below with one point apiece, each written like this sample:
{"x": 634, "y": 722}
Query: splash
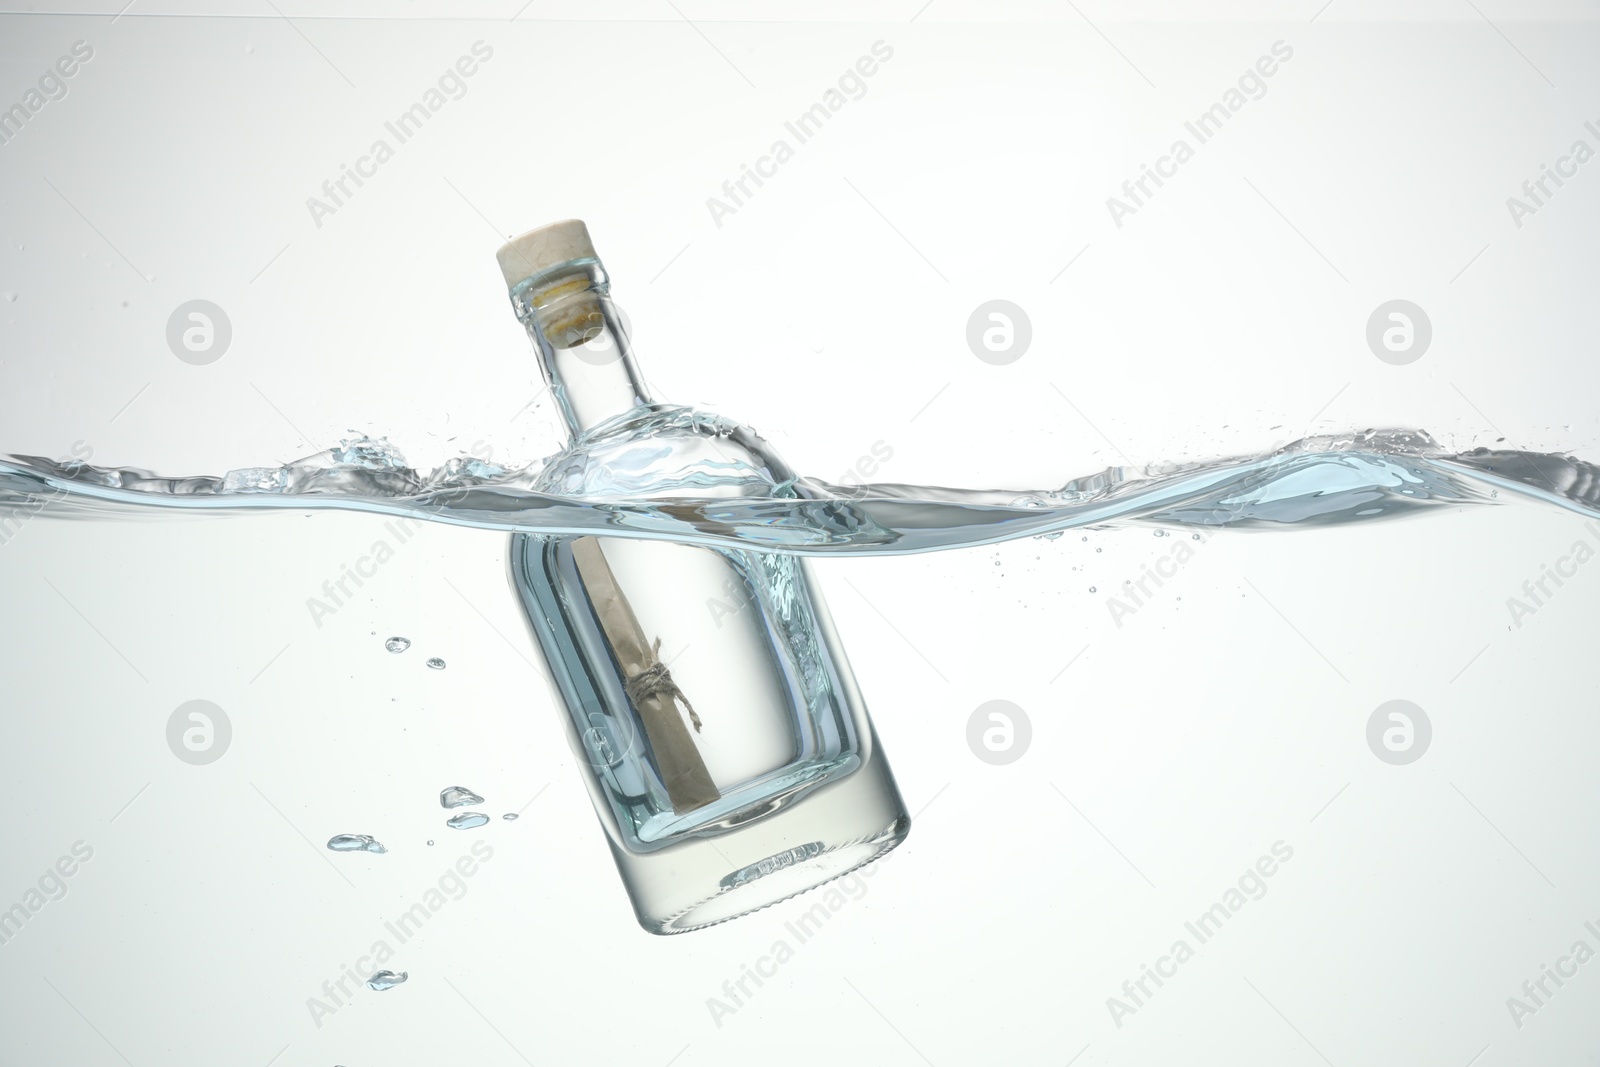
{"x": 630, "y": 478}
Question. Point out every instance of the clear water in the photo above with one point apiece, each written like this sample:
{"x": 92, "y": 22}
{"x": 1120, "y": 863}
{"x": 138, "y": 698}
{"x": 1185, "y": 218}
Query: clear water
{"x": 1318, "y": 484}
{"x": 630, "y": 479}
{"x": 633, "y": 488}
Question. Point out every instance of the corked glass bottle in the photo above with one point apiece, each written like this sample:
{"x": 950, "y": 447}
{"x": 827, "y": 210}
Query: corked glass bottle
{"x": 725, "y": 744}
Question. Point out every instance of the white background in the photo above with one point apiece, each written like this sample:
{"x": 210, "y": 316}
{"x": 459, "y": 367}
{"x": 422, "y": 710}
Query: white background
{"x": 1227, "y": 316}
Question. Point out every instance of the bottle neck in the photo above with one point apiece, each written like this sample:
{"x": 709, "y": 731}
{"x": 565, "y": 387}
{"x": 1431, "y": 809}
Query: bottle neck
{"x": 581, "y": 342}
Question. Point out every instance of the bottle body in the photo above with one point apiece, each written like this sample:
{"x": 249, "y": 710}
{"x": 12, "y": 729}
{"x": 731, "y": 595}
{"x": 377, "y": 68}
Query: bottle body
{"x": 719, "y": 728}
{"x": 799, "y": 790}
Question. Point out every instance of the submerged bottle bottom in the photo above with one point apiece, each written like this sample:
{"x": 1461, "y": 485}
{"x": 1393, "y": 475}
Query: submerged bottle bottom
{"x": 700, "y": 883}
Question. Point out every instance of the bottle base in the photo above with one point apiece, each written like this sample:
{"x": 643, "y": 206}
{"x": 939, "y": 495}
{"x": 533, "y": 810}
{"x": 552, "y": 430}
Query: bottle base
{"x": 778, "y": 878}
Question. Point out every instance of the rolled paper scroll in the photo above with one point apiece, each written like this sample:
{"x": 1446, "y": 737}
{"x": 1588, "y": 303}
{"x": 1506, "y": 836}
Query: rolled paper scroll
{"x": 648, "y": 683}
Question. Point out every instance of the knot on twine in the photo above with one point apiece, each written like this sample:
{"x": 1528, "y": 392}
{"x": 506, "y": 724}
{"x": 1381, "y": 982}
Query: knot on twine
{"x": 656, "y": 680}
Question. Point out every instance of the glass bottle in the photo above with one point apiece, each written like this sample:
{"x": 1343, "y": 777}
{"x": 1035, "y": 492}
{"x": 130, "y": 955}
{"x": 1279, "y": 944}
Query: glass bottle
{"x": 724, "y": 742}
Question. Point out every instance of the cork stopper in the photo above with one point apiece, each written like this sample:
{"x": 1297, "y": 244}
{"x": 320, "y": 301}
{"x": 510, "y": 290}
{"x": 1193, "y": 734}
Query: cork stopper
{"x": 539, "y": 250}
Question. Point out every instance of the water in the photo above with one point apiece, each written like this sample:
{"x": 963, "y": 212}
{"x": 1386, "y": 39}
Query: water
{"x": 635, "y": 487}
{"x": 623, "y": 484}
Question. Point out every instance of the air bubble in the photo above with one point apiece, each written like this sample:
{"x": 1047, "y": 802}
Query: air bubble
{"x": 387, "y": 980}
{"x": 458, "y": 796}
{"x": 355, "y": 843}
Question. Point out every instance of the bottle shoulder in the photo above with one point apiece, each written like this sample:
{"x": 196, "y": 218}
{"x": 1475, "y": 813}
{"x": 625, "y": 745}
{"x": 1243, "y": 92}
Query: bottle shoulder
{"x": 668, "y": 450}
